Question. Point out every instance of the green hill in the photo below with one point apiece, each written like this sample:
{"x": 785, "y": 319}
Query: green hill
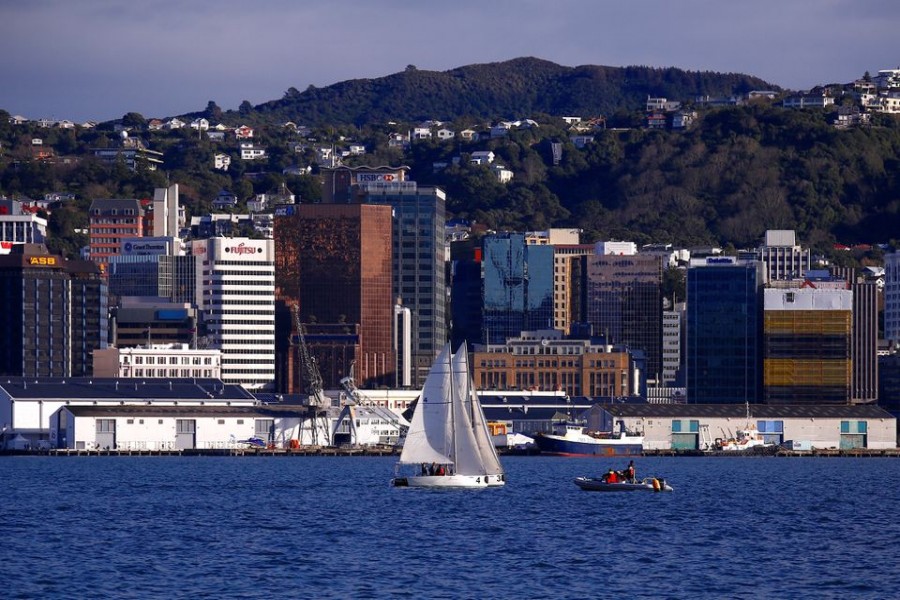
{"x": 516, "y": 88}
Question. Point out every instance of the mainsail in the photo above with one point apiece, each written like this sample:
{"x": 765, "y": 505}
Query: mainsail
{"x": 466, "y": 390}
{"x": 441, "y": 430}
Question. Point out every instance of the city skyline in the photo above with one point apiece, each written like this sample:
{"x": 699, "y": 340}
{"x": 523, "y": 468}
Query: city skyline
{"x": 97, "y": 60}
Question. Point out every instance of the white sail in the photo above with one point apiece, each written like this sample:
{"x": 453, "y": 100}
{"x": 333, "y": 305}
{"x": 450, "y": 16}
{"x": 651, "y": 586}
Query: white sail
{"x": 430, "y": 436}
{"x": 466, "y": 389}
{"x": 468, "y": 454}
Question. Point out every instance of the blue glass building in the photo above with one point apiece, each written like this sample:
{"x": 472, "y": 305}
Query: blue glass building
{"x": 517, "y": 287}
{"x": 724, "y": 331}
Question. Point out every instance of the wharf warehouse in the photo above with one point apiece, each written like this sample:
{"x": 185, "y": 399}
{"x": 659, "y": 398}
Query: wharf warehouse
{"x": 156, "y": 414}
{"x": 692, "y": 426}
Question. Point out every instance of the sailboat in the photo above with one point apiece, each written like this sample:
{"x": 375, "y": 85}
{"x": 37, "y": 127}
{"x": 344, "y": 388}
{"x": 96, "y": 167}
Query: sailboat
{"x": 465, "y": 387}
{"x": 442, "y": 445}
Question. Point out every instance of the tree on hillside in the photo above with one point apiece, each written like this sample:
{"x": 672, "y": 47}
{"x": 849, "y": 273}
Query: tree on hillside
{"x": 134, "y": 121}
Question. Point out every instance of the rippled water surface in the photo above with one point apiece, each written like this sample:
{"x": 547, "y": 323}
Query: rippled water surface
{"x": 157, "y": 527}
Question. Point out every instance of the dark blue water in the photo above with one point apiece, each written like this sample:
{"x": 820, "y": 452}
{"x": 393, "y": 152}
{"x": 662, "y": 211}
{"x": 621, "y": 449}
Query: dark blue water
{"x": 156, "y": 527}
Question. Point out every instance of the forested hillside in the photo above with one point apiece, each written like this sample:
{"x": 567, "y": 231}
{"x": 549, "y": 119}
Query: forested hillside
{"x": 507, "y": 90}
{"x": 734, "y": 173}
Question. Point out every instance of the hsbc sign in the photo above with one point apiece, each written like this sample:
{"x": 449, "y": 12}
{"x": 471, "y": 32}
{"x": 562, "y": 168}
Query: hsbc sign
{"x": 369, "y": 177}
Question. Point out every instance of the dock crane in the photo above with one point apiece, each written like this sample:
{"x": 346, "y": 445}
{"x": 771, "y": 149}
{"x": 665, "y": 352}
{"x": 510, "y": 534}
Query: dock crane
{"x": 354, "y": 397}
{"x": 317, "y": 402}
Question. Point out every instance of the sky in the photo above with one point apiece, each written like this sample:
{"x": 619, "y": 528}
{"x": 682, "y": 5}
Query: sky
{"x": 99, "y": 59}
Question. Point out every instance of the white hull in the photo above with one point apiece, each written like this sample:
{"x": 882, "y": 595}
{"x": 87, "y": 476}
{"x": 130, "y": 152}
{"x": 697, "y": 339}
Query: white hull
{"x": 495, "y": 480}
{"x": 444, "y": 481}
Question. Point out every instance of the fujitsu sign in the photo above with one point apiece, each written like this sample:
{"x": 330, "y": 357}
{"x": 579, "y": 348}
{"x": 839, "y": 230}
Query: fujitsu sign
{"x": 243, "y": 249}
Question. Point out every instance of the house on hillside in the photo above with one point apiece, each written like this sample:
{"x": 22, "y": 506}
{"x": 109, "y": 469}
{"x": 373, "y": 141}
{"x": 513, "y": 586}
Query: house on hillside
{"x": 445, "y": 134}
{"x": 581, "y": 141}
{"x": 225, "y": 200}
{"x": 421, "y": 133}
{"x": 243, "y": 132}
{"x": 503, "y": 174}
{"x": 200, "y": 124}
{"x": 221, "y": 161}
{"x": 808, "y": 101}
{"x": 481, "y": 157}
{"x": 398, "y": 140}
{"x": 500, "y": 130}
{"x": 683, "y": 119}
{"x": 249, "y": 151}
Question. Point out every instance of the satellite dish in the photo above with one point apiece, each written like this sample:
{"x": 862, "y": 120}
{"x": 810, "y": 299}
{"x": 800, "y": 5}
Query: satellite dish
{"x": 545, "y": 343}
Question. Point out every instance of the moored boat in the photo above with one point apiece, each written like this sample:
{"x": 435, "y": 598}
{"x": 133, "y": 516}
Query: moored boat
{"x": 572, "y": 439}
{"x": 647, "y": 484}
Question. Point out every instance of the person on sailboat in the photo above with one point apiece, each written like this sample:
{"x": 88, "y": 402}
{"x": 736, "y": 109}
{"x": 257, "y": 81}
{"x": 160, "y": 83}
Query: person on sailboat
{"x": 441, "y": 471}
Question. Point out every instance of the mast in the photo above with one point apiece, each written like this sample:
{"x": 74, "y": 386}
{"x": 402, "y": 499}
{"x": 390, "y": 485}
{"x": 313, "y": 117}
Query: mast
{"x": 452, "y": 411}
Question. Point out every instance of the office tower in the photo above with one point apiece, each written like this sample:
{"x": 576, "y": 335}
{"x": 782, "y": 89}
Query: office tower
{"x": 419, "y": 257}
{"x": 343, "y": 185}
{"x": 158, "y": 275}
{"x": 334, "y": 262}
{"x": 54, "y": 314}
{"x": 517, "y": 287}
{"x": 723, "y": 327}
{"x": 783, "y": 257}
{"x": 892, "y": 299}
{"x": 465, "y": 292}
{"x": 166, "y": 212}
{"x": 111, "y": 221}
{"x": 236, "y": 299}
{"x": 148, "y": 320}
{"x": 565, "y": 257}
{"x": 806, "y": 351}
{"x": 18, "y": 227}
{"x": 864, "y": 342}
{"x": 621, "y": 299}
{"x": 671, "y": 343}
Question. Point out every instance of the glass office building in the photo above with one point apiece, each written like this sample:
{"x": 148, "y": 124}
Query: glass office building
{"x": 155, "y": 275}
{"x": 623, "y": 303}
{"x": 340, "y": 256}
{"x": 724, "y": 331}
{"x": 419, "y": 258}
{"x": 517, "y": 287}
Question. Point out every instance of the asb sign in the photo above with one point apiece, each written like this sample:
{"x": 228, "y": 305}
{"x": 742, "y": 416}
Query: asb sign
{"x": 42, "y": 261}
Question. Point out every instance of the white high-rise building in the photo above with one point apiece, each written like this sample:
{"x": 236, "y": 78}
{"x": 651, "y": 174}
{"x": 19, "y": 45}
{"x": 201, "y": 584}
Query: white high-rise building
{"x": 236, "y": 298}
